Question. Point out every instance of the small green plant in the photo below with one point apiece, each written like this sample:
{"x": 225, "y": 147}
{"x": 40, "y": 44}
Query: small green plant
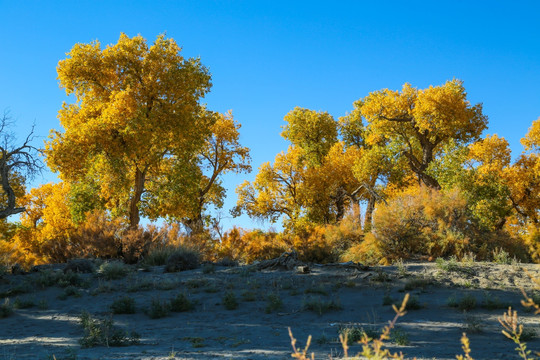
{"x": 414, "y": 303}
{"x": 229, "y": 301}
{"x": 158, "y": 256}
{"x": 72, "y": 279}
{"x": 47, "y": 278}
{"x": 493, "y": 303}
{"x": 473, "y": 324}
{"x": 400, "y": 337}
{"x": 208, "y": 268}
{"x": 416, "y": 283}
{"x": 113, "y": 270}
{"x": 124, "y": 305}
{"x": 158, "y": 309}
{"x": 6, "y": 309}
{"x": 42, "y": 304}
{"x": 19, "y": 303}
{"x": 380, "y": 276}
{"x": 354, "y": 334}
{"x": 21, "y": 288}
{"x": 181, "y": 259}
{"x": 319, "y": 289}
{"x": 181, "y": 303}
{"x": 501, "y": 257}
{"x": 196, "y": 342}
{"x": 70, "y": 291}
{"x": 319, "y": 306}
{"x": 103, "y": 332}
{"x": 466, "y": 303}
{"x": 401, "y": 268}
{"x": 469, "y": 259}
{"x": 273, "y": 303}
{"x": 323, "y": 339}
{"x": 388, "y": 300}
{"x": 447, "y": 265}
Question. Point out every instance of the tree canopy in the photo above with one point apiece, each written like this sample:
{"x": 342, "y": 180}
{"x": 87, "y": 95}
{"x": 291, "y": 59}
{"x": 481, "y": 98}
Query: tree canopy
{"x": 137, "y": 110}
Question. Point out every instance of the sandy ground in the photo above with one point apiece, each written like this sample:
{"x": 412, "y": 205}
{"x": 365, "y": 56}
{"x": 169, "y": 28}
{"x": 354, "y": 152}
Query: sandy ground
{"x": 252, "y": 331}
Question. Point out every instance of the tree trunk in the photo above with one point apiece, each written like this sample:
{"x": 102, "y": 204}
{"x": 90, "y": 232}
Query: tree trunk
{"x": 10, "y": 209}
{"x": 369, "y": 214}
{"x": 340, "y": 204}
{"x": 134, "y": 217}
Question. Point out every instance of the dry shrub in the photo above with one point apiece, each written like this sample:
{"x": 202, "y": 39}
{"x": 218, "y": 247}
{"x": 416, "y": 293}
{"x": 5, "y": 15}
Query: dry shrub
{"x": 319, "y": 243}
{"x": 181, "y": 259}
{"x": 172, "y": 236}
{"x": 134, "y": 244}
{"x": 423, "y": 221}
{"x": 247, "y": 246}
{"x": 367, "y": 252}
{"x": 98, "y": 236}
{"x": 531, "y": 237}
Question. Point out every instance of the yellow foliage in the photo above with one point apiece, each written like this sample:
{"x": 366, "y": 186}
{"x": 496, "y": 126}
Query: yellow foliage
{"x": 433, "y": 223}
{"x": 248, "y": 246}
{"x": 137, "y": 108}
{"x": 492, "y": 152}
{"x": 418, "y": 123}
{"x": 532, "y": 139}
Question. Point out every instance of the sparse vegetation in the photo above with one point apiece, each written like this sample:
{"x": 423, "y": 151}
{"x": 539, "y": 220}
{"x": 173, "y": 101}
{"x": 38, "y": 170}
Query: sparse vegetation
{"x": 124, "y": 305}
{"x": 229, "y": 301}
{"x": 19, "y": 303}
{"x": 181, "y": 303}
{"x": 181, "y": 259}
{"x": 70, "y": 291}
{"x": 400, "y": 337}
{"x": 158, "y": 309}
{"x": 465, "y": 303}
{"x": 113, "y": 270}
{"x": 6, "y": 309}
{"x": 103, "y": 332}
{"x": 319, "y": 306}
{"x": 273, "y": 303}
{"x": 414, "y": 303}
{"x": 473, "y": 324}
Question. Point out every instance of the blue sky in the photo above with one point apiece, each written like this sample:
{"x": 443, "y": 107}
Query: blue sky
{"x": 266, "y": 57}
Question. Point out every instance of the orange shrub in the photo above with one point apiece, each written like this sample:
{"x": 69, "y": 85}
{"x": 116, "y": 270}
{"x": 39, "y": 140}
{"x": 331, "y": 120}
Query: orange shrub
{"x": 249, "y": 245}
{"x": 423, "y": 221}
{"x": 367, "y": 252}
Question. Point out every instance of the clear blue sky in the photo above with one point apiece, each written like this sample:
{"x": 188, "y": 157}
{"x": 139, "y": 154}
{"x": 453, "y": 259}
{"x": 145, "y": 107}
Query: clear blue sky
{"x": 266, "y": 57}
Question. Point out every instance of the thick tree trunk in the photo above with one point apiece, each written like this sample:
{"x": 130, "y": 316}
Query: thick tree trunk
{"x": 369, "y": 214}
{"x": 134, "y": 217}
{"x": 10, "y": 209}
{"x": 340, "y": 204}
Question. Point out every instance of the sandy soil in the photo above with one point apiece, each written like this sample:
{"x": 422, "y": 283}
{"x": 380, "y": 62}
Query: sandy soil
{"x": 252, "y": 330}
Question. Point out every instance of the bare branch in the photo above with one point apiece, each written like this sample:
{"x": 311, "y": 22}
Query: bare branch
{"x": 22, "y": 159}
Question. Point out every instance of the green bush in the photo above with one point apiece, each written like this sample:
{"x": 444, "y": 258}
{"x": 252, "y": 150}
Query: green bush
{"x": 103, "y": 332}
{"x": 123, "y": 305}
{"x": 229, "y": 301}
{"x": 181, "y": 303}
{"x": 113, "y": 270}
{"x": 6, "y": 309}
{"x": 158, "y": 309}
{"x": 182, "y": 259}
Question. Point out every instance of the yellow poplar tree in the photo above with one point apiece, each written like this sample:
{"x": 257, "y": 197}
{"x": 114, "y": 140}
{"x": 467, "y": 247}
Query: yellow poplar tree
{"x": 417, "y": 123}
{"x": 188, "y": 200}
{"x": 137, "y": 106}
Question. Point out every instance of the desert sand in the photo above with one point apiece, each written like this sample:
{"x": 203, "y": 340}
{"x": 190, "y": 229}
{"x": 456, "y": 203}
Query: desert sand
{"x": 49, "y": 324}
